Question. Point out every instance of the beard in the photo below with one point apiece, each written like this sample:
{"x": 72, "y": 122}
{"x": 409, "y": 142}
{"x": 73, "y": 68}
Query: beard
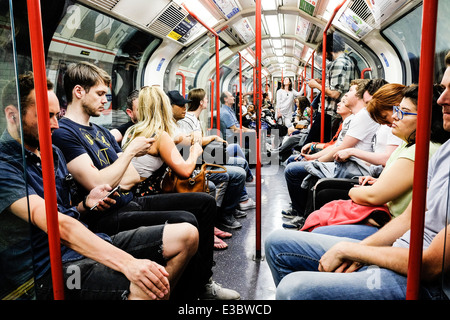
{"x": 93, "y": 112}
{"x": 30, "y": 138}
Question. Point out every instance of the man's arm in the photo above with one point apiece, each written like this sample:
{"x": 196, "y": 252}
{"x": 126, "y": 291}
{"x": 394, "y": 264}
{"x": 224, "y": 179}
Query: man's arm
{"x": 333, "y": 94}
{"x": 244, "y": 129}
{"x": 120, "y": 172}
{"x": 347, "y": 142}
{"x": 147, "y": 275}
{"x": 376, "y": 249}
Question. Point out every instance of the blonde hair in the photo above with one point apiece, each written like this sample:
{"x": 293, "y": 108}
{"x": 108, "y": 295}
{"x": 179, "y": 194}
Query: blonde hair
{"x": 154, "y": 115}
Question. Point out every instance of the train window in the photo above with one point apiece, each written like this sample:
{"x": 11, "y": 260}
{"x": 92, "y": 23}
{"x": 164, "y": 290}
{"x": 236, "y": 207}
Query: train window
{"x": 16, "y": 263}
{"x": 405, "y": 35}
{"x": 195, "y": 61}
{"x": 120, "y": 49}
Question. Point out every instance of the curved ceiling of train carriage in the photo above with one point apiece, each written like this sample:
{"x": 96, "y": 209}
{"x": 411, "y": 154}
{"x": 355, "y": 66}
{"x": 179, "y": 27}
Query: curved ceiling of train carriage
{"x": 291, "y": 29}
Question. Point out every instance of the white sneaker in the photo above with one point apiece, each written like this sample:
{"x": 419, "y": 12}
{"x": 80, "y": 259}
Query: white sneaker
{"x": 214, "y": 291}
{"x": 250, "y": 204}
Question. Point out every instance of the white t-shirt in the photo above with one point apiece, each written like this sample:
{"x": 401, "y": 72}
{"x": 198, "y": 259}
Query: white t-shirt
{"x": 344, "y": 130}
{"x": 285, "y": 102}
{"x": 363, "y": 128}
{"x": 383, "y": 138}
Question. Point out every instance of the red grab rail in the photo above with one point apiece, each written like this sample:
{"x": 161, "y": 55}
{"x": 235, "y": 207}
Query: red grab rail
{"x": 363, "y": 72}
{"x": 183, "y": 83}
{"x": 45, "y": 142}
{"x": 426, "y": 79}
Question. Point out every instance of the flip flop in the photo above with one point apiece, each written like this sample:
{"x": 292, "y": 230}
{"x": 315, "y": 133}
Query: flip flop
{"x": 221, "y": 234}
{"x": 219, "y": 244}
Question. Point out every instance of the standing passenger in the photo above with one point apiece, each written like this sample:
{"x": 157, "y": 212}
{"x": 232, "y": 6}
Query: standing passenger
{"x": 340, "y": 74}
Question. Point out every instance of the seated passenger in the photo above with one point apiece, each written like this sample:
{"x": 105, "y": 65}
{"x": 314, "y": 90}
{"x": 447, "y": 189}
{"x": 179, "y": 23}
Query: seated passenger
{"x": 328, "y": 267}
{"x": 301, "y": 117}
{"x": 360, "y": 133}
{"x": 94, "y": 157}
{"x": 229, "y": 125}
{"x": 394, "y": 186}
{"x": 229, "y": 185}
{"x": 132, "y": 101}
{"x": 385, "y": 142}
{"x": 124, "y": 266}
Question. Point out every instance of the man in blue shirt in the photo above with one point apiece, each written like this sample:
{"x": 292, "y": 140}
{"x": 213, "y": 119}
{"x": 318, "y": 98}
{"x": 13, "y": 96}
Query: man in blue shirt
{"x": 228, "y": 121}
{"x": 108, "y": 270}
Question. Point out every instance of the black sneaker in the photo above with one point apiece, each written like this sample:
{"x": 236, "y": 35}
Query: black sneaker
{"x": 239, "y": 214}
{"x": 231, "y": 223}
{"x": 289, "y": 213}
{"x": 295, "y": 223}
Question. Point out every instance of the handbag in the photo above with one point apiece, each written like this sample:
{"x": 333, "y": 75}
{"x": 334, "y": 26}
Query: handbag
{"x": 152, "y": 184}
{"x": 197, "y": 182}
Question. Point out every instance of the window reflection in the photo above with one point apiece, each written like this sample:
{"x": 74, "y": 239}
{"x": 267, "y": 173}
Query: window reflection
{"x": 86, "y": 35}
{"x": 405, "y": 35}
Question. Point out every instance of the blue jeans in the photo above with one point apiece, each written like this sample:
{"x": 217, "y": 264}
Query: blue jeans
{"x": 293, "y": 258}
{"x": 237, "y": 157}
{"x": 236, "y": 185}
{"x": 354, "y": 231}
{"x": 232, "y": 195}
{"x": 294, "y": 174}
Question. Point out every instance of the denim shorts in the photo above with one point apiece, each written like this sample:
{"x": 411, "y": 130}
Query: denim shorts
{"x": 86, "y": 279}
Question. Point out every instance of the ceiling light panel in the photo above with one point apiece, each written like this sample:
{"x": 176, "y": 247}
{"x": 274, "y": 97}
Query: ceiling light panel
{"x": 272, "y": 23}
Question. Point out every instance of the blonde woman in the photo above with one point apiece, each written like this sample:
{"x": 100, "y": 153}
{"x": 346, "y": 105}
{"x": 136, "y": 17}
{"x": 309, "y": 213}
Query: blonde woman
{"x": 155, "y": 118}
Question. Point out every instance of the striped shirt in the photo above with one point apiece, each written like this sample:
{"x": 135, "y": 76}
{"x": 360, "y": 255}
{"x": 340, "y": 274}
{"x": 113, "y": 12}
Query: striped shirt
{"x": 340, "y": 74}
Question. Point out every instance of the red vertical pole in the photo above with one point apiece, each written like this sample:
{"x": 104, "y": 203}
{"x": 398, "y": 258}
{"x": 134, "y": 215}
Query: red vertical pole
{"x": 217, "y": 86}
{"x": 258, "y": 106}
{"x": 212, "y": 102}
{"x": 324, "y": 69}
{"x": 312, "y": 75}
{"x": 240, "y": 98}
{"x": 426, "y": 79}
{"x": 304, "y": 82}
{"x": 183, "y": 82}
{"x": 45, "y": 142}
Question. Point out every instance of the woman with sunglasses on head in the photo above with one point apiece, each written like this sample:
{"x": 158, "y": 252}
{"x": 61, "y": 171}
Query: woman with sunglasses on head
{"x": 394, "y": 186}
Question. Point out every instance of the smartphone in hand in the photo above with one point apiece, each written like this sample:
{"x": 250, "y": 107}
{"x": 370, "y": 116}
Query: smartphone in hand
{"x": 116, "y": 189}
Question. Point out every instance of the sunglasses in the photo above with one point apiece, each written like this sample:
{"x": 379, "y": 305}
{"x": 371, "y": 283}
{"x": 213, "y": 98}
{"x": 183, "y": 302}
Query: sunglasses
{"x": 400, "y": 113}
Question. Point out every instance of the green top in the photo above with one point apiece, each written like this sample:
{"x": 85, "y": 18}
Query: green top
{"x": 399, "y": 205}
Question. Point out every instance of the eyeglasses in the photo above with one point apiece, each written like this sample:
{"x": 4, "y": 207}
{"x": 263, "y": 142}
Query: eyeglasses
{"x": 400, "y": 113}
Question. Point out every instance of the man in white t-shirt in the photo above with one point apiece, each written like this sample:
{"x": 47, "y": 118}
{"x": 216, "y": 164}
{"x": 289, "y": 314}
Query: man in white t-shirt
{"x": 359, "y": 135}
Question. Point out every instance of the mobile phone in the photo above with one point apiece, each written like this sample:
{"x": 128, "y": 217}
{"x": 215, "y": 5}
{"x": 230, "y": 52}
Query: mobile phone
{"x": 116, "y": 189}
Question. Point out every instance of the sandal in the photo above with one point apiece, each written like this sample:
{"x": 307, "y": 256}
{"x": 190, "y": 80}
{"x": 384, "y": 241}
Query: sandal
{"x": 219, "y": 244}
{"x": 221, "y": 234}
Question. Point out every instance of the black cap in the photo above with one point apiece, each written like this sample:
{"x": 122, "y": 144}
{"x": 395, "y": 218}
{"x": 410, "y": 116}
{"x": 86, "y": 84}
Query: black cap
{"x": 176, "y": 98}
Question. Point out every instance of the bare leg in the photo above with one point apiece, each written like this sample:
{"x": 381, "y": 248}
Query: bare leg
{"x": 180, "y": 243}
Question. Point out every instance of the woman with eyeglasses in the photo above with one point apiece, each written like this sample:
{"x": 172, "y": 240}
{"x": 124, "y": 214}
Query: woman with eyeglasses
{"x": 393, "y": 188}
